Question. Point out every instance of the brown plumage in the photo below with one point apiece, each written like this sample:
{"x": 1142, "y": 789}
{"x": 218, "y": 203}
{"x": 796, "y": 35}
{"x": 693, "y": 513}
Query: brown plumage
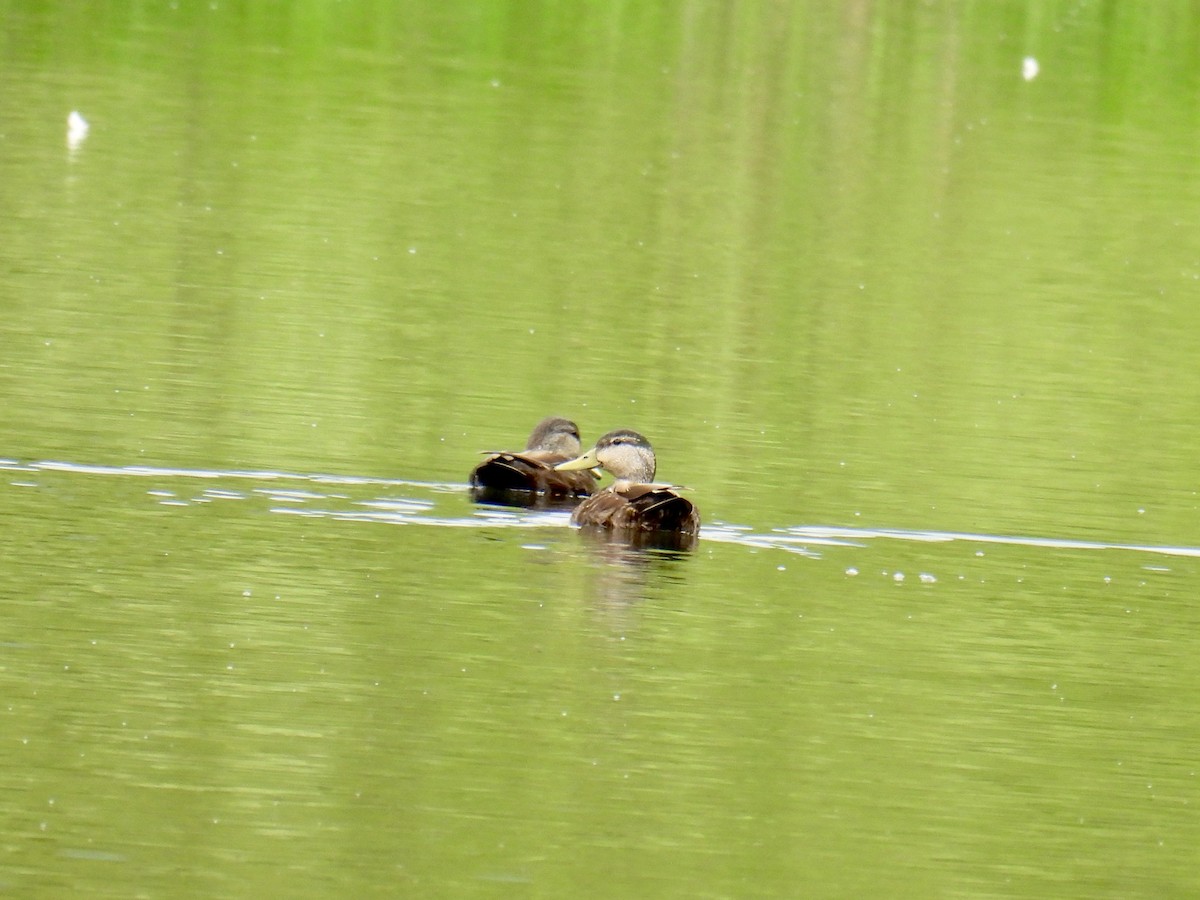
{"x": 553, "y": 441}
{"x": 633, "y": 501}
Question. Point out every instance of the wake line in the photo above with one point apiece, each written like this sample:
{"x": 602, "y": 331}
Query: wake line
{"x": 790, "y": 539}
{"x": 50, "y": 465}
{"x": 801, "y": 533}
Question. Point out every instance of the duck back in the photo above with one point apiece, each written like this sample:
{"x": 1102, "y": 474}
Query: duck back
{"x": 642, "y": 508}
{"x": 531, "y": 471}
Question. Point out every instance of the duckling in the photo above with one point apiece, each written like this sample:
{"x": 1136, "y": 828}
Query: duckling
{"x": 634, "y": 501}
{"x": 554, "y": 440}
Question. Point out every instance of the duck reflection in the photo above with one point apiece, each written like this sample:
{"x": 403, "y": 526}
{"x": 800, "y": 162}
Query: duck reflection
{"x": 635, "y": 542}
{"x": 521, "y": 498}
{"x": 635, "y": 564}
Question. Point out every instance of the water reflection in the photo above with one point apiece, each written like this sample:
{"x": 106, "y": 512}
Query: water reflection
{"x": 670, "y": 544}
{"x": 521, "y": 499}
{"x": 631, "y": 560}
{"x": 632, "y": 563}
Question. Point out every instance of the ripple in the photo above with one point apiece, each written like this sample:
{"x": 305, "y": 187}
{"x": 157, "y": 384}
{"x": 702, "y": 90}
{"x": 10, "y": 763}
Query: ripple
{"x": 796, "y": 539}
{"x": 249, "y": 474}
{"x": 820, "y": 532}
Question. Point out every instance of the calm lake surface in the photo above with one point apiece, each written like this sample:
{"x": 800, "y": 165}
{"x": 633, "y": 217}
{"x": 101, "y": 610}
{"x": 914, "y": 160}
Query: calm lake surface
{"x": 909, "y": 295}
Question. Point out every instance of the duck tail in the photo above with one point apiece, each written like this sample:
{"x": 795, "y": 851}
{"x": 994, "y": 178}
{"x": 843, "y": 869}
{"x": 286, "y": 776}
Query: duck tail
{"x": 507, "y": 472}
{"x": 668, "y": 512}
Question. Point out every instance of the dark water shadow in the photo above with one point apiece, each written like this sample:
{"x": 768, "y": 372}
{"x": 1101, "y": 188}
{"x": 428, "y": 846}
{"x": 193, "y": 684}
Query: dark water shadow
{"x": 521, "y": 499}
{"x": 637, "y": 543}
{"x": 633, "y": 564}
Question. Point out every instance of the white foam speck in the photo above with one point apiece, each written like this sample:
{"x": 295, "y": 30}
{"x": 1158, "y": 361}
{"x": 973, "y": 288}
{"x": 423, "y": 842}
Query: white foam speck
{"x": 77, "y": 129}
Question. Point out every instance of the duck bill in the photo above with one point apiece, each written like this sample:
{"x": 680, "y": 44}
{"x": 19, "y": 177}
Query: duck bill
{"x": 587, "y": 461}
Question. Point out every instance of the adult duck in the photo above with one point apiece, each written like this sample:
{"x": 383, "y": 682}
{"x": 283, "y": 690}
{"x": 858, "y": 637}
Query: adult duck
{"x": 553, "y": 441}
{"x": 633, "y": 502}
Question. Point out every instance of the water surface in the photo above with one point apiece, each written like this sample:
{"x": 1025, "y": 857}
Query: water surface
{"x": 918, "y": 332}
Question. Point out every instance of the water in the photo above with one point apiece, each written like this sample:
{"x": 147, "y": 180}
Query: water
{"x": 918, "y": 332}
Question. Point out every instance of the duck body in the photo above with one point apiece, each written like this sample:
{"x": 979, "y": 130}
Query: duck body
{"x": 638, "y": 507}
{"x": 634, "y": 502}
{"x": 554, "y": 440}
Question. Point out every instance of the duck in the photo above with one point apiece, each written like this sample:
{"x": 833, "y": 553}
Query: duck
{"x": 553, "y": 440}
{"x": 634, "y": 501}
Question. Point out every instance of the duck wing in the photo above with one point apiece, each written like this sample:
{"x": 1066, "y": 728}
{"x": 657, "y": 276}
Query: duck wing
{"x": 641, "y": 507}
{"x": 532, "y": 471}
{"x": 661, "y": 509}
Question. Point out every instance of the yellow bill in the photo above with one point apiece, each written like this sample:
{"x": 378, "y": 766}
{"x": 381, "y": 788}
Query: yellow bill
{"x": 587, "y": 461}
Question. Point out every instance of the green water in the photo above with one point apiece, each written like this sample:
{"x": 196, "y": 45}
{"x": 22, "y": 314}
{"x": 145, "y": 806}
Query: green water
{"x": 920, "y": 334}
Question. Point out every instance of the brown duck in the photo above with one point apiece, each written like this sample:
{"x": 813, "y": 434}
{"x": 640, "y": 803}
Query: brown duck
{"x": 634, "y": 501}
{"x": 553, "y": 441}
